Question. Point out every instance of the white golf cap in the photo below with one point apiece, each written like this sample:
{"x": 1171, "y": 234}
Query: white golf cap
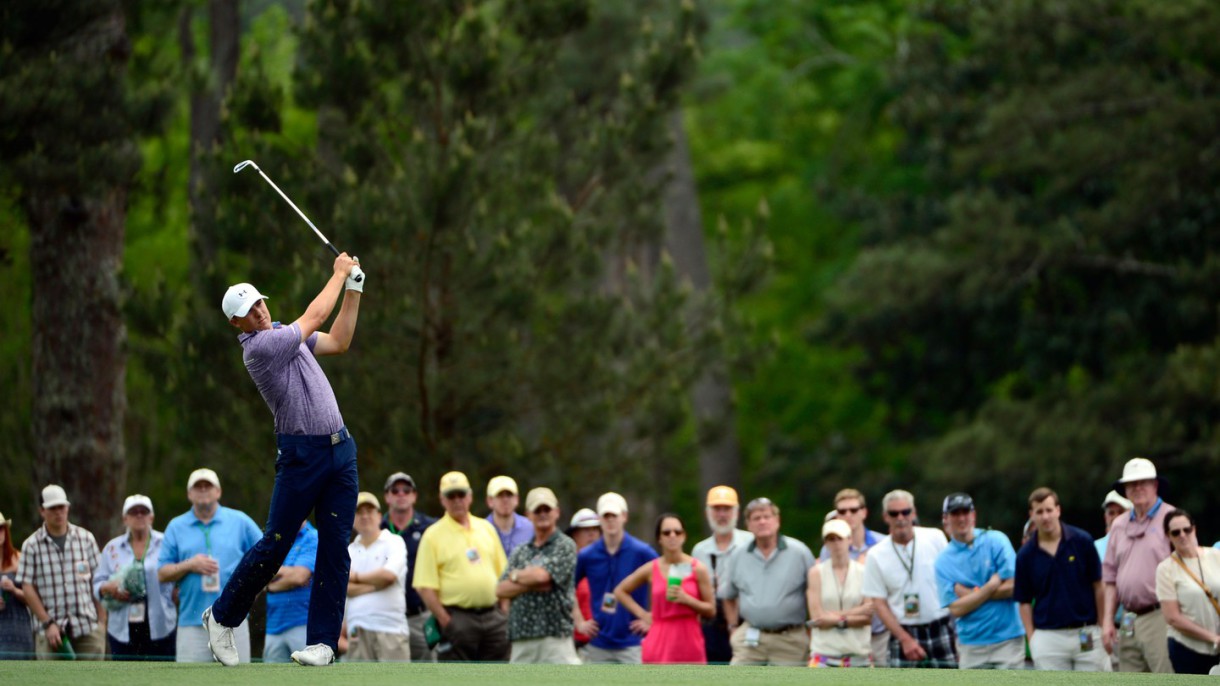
{"x": 204, "y": 474}
{"x": 611, "y": 503}
{"x": 1138, "y": 469}
{"x": 137, "y": 500}
{"x": 1113, "y": 498}
{"x": 838, "y": 527}
{"x": 500, "y": 484}
{"x": 238, "y": 300}
{"x": 54, "y": 496}
{"x": 584, "y": 519}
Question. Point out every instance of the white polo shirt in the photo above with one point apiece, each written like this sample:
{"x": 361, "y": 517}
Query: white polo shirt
{"x": 894, "y": 571}
{"x": 384, "y": 610}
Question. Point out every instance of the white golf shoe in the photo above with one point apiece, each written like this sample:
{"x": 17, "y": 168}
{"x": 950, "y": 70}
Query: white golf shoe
{"x": 220, "y": 640}
{"x": 316, "y": 655}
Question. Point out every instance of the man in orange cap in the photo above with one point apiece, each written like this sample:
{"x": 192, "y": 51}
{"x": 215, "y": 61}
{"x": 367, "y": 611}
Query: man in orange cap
{"x": 723, "y": 510}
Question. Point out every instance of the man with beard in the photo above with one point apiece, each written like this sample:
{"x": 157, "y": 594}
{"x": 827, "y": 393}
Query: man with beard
{"x": 722, "y": 511}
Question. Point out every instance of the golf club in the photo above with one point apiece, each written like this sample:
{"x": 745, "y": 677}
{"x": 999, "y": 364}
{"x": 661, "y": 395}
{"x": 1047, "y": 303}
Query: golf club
{"x": 250, "y": 163}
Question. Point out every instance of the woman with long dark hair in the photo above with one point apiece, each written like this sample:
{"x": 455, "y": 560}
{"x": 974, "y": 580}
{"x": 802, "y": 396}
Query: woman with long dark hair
{"x": 1188, "y": 587}
{"x": 16, "y": 633}
{"x": 681, "y": 594}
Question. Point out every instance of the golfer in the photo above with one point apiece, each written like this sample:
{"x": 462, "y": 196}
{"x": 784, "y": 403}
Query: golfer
{"x": 315, "y": 464}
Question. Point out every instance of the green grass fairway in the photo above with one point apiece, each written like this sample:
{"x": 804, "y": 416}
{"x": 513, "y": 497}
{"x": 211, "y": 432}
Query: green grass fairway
{"x": 169, "y": 674}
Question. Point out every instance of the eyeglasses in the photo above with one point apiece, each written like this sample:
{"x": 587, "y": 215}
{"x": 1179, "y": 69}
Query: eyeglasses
{"x": 1184, "y": 531}
{"x": 455, "y": 495}
{"x": 672, "y": 532}
{"x": 900, "y": 513}
{"x": 848, "y": 510}
{"x": 401, "y": 490}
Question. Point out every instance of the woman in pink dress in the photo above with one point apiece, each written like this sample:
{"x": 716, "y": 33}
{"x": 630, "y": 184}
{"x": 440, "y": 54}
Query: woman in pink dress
{"x": 680, "y": 584}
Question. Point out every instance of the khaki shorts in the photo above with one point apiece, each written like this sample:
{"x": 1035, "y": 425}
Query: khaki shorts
{"x": 378, "y": 646}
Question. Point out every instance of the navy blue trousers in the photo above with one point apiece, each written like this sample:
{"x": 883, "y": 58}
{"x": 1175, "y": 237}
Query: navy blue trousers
{"x": 311, "y": 474}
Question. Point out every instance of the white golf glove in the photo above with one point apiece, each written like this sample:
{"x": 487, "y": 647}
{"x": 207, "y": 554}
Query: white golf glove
{"x": 355, "y": 280}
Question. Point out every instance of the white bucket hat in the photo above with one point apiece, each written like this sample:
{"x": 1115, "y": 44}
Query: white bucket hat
{"x": 1139, "y": 469}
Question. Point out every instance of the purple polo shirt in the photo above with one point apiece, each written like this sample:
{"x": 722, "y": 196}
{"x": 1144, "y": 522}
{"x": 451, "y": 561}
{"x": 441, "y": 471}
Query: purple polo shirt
{"x": 1136, "y": 547}
{"x": 293, "y": 385}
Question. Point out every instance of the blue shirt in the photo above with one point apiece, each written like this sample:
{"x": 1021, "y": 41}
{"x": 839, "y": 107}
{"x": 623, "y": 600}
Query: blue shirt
{"x": 159, "y": 610}
{"x": 523, "y": 532}
{"x": 1062, "y": 585}
{"x": 972, "y": 565}
{"x": 604, "y": 571}
{"x": 411, "y": 535}
{"x": 227, "y": 538}
{"x": 288, "y": 609}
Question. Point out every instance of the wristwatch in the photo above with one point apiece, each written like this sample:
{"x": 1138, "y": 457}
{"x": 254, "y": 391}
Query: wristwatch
{"x": 842, "y": 622}
{"x": 512, "y": 576}
{"x": 47, "y": 624}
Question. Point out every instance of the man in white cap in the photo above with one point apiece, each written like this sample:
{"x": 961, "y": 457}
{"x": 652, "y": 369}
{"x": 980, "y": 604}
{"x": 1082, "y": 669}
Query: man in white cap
{"x": 56, "y": 573}
{"x": 605, "y": 564}
{"x": 539, "y": 583}
{"x": 1112, "y": 507}
{"x": 201, "y": 549}
{"x": 585, "y": 529}
{"x": 315, "y": 467}
{"x": 723, "y": 511}
{"x": 502, "y": 500}
{"x": 459, "y": 563}
{"x": 1137, "y": 545}
{"x": 376, "y": 602}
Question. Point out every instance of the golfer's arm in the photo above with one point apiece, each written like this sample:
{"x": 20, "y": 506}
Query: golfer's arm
{"x": 321, "y": 307}
{"x": 339, "y": 339}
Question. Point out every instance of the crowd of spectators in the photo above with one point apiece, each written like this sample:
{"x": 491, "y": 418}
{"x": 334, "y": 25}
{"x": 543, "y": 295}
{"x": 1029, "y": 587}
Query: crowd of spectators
{"x": 536, "y": 587}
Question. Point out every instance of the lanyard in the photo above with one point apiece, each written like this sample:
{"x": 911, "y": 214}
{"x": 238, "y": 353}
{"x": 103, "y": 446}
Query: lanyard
{"x": 910, "y": 567}
{"x": 838, "y": 585}
{"x": 207, "y": 537}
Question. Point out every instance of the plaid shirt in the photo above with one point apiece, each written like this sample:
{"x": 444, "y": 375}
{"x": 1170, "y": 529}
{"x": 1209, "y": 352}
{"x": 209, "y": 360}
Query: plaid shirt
{"x": 64, "y": 579}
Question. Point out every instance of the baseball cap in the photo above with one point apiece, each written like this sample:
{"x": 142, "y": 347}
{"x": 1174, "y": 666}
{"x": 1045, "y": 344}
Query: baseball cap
{"x": 454, "y": 481}
{"x": 54, "y": 496}
{"x": 837, "y": 527}
{"x": 238, "y": 300}
{"x": 611, "y": 503}
{"x": 399, "y": 476}
{"x": 957, "y": 501}
{"x": 833, "y": 514}
{"x": 500, "y": 484}
{"x": 722, "y": 495}
{"x": 540, "y": 496}
{"x": 137, "y": 500}
{"x": 366, "y": 498}
{"x": 1114, "y": 498}
{"x": 584, "y": 519}
{"x": 203, "y": 474}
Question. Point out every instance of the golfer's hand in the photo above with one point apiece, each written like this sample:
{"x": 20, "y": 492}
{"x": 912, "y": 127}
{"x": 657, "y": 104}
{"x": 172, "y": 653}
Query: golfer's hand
{"x": 355, "y": 280}
{"x": 202, "y": 564}
{"x": 344, "y": 264}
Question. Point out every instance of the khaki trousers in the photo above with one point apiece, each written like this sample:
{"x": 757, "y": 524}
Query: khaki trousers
{"x": 420, "y": 652}
{"x": 88, "y": 647}
{"x": 1148, "y": 649}
{"x": 881, "y": 649}
{"x": 378, "y": 646}
{"x": 549, "y": 650}
{"x": 789, "y": 648}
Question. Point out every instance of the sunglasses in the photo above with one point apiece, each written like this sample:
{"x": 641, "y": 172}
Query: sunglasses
{"x": 900, "y": 513}
{"x": 848, "y": 510}
{"x": 138, "y": 512}
{"x": 400, "y": 490}
{"x": 672, "y": 532}
{"x": 455, "y": 495}
{"x": 1184, "y": 531}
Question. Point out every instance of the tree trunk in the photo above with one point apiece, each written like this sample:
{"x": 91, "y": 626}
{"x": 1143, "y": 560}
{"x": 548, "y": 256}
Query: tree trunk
{"x": 76, "y": 252}
{"x": 719, "y": 454}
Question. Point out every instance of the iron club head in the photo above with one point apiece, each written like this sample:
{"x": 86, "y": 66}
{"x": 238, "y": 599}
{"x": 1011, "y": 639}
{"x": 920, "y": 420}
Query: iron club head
{"x": 242, "y": 165}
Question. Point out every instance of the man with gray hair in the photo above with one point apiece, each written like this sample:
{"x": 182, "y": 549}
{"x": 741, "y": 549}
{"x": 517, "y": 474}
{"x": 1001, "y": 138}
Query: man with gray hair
{"x": 763, "y": 591}
{"x": 900, "y": 573}
{"x": 722, "y": 514}
{"x": 1137, "y": 545}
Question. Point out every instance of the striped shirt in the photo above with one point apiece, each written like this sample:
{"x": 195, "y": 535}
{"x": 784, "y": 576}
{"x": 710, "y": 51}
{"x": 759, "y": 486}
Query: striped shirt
{"x": 64, "y": 579}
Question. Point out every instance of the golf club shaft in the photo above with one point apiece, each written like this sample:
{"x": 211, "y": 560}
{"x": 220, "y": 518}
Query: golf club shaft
{"x": 294, "y": 206}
